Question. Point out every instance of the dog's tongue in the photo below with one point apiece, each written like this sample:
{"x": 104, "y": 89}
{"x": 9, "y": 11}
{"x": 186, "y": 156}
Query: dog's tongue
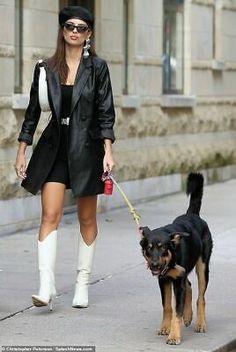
{"x": 156, "y": 272}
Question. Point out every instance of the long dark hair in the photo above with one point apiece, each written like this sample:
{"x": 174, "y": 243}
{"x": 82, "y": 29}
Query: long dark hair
{"x": 58, "y": 60}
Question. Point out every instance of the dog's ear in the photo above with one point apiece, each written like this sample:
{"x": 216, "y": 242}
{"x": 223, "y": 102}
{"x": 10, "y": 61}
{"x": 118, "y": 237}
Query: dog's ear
{"x": 144, "y": 231}
{"x": 143, "y": 243}
{"x": 176, "y": 236}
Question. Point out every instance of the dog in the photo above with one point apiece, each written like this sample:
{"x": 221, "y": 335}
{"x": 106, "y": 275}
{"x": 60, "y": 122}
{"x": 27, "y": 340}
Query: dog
{"x": 171, "y": 252}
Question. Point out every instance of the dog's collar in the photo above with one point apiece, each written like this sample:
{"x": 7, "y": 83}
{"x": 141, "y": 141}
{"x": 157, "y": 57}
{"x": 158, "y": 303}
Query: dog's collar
{"x": 164, "y": 270}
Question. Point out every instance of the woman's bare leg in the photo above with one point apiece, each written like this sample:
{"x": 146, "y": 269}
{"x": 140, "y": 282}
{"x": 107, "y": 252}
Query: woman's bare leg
{"x": 52, "y": 200}
{"x": 87, "y": 215}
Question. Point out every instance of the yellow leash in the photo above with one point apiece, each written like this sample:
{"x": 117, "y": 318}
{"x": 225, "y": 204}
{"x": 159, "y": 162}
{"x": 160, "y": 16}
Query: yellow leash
{"x": 135, "y": 216}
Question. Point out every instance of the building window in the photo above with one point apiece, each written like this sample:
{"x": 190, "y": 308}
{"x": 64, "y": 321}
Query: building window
{"x": 214, "y": 32}
{"x": 173, "y": 47}
{"x": 125, "y": 45}
{"x": 18, "y": 46}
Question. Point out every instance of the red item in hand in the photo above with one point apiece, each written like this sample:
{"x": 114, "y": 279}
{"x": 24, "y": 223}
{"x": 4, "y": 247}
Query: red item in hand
{"x": 108, "y": 187}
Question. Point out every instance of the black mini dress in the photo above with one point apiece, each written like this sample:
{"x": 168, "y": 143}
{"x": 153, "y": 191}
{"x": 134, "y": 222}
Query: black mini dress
{"x": 60, "y": 171}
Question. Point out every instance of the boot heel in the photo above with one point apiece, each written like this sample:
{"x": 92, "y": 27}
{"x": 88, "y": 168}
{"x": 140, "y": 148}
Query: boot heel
{"x": 51, "y": 305}
{"x": 51, "y": 302}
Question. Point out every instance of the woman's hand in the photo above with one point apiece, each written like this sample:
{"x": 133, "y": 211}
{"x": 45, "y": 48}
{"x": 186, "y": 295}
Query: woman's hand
{"x": 108, "y": 161}
{"x": 20, "y": 164}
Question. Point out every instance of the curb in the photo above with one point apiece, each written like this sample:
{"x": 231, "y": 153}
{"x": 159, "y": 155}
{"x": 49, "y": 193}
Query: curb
{"x": 228, "y": 347}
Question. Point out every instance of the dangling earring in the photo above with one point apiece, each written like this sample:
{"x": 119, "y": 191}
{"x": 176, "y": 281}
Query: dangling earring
{"x": 86, "y": 48}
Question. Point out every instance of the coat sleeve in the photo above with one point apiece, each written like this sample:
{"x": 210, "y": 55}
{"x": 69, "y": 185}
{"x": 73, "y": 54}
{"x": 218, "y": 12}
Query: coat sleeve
{"x": 104, "y": 103}
{"x": 32, "y": 113}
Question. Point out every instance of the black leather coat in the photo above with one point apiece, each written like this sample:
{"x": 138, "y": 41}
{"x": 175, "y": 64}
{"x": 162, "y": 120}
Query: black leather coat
{"x": 92, "y": 119}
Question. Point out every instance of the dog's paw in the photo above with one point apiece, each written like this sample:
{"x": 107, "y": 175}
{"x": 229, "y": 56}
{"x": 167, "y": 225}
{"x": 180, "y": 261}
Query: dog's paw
{"x": 187, "y": 317}
{"x": 164, "y": 330}
{"x": 187, "y": 322}
{"x": 200, "y": 328}
{"x": 173, "y": 340}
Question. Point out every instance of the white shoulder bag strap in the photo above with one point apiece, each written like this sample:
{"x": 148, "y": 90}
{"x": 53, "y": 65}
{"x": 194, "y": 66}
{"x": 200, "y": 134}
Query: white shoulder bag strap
{"x": 43, "y": 90}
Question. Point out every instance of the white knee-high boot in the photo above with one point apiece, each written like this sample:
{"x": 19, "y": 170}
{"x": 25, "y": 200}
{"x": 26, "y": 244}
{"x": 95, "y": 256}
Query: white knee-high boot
{"x": 46, "y": 262}
{"x": 85, "y": 262}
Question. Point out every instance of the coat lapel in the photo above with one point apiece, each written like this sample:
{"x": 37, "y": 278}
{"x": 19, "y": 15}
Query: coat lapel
{"x": 54, "y": 91}
{"x": 80, "y": 80}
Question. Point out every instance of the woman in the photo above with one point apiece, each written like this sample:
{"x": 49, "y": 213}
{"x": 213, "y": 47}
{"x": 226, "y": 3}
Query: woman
{"x": 74, "y": 149}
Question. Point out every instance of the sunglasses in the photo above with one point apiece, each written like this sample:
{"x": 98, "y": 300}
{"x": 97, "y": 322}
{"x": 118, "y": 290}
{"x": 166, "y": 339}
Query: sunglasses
{"x": 80, "y": 28}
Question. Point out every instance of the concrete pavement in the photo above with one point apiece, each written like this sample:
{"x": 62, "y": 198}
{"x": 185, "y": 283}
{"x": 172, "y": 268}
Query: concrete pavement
{"x": 125, "y": 307}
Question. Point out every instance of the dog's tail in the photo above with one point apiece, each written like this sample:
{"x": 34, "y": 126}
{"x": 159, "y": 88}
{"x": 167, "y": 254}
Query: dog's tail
{"x": 195, "y": 190}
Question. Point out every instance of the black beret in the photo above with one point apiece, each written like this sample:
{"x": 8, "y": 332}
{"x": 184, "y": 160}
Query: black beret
{"x": 79, "y": 12}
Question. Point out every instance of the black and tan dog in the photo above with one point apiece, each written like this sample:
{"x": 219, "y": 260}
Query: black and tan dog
{"x": 172, "y": 251}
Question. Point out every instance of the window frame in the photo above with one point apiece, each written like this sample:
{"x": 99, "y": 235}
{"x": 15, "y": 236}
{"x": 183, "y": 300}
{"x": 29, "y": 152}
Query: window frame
{"x": 18, "y": 58}
{"x": 166, "y": 70}
{"x": 125, "y": 46}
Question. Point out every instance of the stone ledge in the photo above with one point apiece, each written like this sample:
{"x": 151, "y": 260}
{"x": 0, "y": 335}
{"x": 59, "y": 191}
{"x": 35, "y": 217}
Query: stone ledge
{"x": 201, "y": 64}
{"x": 7, "y": 51}
{"x": 137, "y": 190}
{"x": 113, "y": 58}
{"x": 213, "y": 65}
{"x": 16, "y": 211}
{"x": 8, "y": 153}
{"x": 154, "y": 187}
{"x": 178, "y": 101}
{"x": 203, "y": 2}
{"x": 5, "y": 102}
{"x": 148, "y": 61}
{"x": 136, "y": 143}
{"x": 24, "y": 213}
{"x": 218, "y": 65}
{"x": 230, "y": 66}
{"x": 130, "y": 101}
{"x": 20, "y": 101}
{"x": 229, "y": 6}
{"x": 216, "y": 100}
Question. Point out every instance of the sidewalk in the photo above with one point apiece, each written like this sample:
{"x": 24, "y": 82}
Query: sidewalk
{"x": 125, "y": 306}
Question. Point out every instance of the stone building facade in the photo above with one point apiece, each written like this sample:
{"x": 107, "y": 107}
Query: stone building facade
{"x": 173, "y": 70}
